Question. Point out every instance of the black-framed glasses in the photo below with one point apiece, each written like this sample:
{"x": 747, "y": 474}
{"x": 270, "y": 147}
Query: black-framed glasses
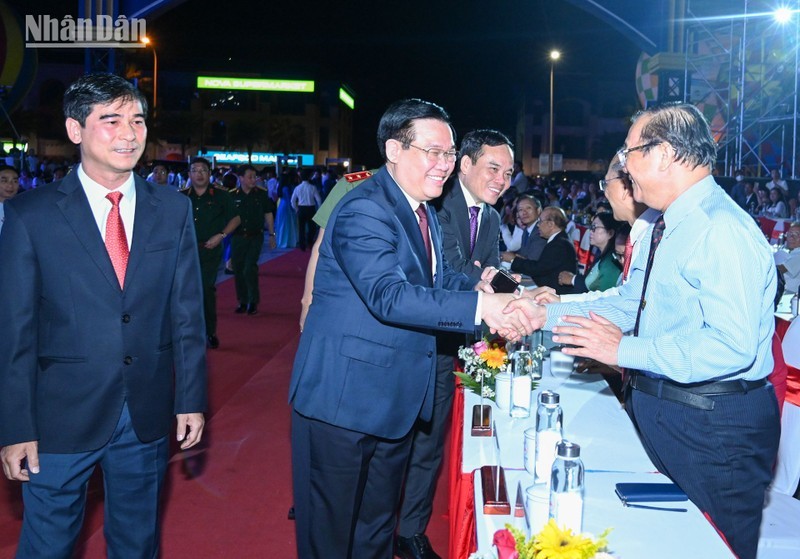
{"x": 434, "y": 154}
{"x": 604, "y": 183}
{"x": 596, "y": 227}
{"x": 618, "y": 256}
{"x": 622, "y": 154}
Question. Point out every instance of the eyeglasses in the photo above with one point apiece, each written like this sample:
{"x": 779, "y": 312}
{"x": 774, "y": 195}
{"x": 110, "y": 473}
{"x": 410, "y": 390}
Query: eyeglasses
{"x": 199, "y": 171}
{"x": 596, "y": 227}
{"x": 604, "y": 183}
{"x": 622, "y": 154}
{"x": 434, "y": 154}
{"x": 618, "y": 256}
{"x": 793, "y": 235}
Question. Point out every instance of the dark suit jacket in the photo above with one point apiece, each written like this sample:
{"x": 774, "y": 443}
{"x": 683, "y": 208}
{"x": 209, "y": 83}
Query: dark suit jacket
{"x": 558, "y": 256}
{"x": 366, "y": 360}
{"x": 532, "y": 250}
{"x": 75, "y": 346}
{"x": 453, "y": 214}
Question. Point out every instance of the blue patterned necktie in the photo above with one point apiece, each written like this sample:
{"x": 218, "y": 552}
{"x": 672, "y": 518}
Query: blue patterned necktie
{"x": 525, "y": 237}
{"x": 658, "y": 233}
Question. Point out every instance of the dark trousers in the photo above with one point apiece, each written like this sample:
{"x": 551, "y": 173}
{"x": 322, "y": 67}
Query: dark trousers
{"x": 306, "y": 228}
{"x": 346, "y": 490}
{"x": 245, "y": 252}
{"x": 209, "y": 267}
{"x": 722, "y": 459}
{"x": 55, "y": 498}
{"x": 427, "y": 449}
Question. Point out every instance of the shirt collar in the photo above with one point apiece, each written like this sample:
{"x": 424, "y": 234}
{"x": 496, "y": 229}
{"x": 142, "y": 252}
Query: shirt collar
{"x": 471, "y": 202}
{"x": 681, "y": 207}
{"x": 411, "y": 202}
{"x": 639, "y": 227}
{"x": 95, "y": 190}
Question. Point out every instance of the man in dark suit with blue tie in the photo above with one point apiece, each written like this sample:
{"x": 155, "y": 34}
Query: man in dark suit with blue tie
{"x": 470, "y": 241}
{"x": 365, "y": 367}
{"x": 104, "y": 340}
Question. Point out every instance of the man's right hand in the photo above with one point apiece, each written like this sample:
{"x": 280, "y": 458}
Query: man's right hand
{"x": 542, "y": 295}
{"x": 12, "y": 457}
{"x": 510, "y": 325}
{"x": 534, "y": 315}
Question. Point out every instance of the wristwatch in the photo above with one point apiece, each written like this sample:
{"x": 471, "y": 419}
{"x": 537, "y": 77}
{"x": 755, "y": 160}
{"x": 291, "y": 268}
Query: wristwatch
{"x": 223, "y": 234}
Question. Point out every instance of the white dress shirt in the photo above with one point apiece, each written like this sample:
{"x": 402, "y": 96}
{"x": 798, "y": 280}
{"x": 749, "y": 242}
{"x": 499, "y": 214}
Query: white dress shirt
{"x": 101, "y": 207}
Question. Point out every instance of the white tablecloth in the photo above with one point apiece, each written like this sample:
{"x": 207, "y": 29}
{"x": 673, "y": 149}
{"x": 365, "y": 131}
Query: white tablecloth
{"x": 611, "y": 453}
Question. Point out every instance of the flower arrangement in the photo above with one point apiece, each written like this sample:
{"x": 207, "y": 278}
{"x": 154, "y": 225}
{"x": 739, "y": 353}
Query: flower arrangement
{"x": 482, "y": 360}
{"x": 551, "y": 543}
{"x": 486, "y": 359}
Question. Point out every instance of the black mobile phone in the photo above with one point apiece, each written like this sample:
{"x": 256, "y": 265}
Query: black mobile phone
{"x": 503, "y": 282}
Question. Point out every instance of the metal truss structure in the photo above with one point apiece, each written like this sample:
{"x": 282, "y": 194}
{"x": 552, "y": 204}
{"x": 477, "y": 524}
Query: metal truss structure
{"x": 742, "y": 72}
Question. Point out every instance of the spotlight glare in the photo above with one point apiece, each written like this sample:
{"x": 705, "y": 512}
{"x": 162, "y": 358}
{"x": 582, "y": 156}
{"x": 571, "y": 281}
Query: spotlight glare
{"x": 783, "y": 15}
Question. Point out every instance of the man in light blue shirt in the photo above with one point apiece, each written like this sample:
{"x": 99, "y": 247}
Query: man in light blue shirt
{"x": 697, "y": 362}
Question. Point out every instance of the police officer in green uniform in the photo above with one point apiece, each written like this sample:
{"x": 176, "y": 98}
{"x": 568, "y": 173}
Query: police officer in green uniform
{"x": 342, "y": 187}
{"x": 257, "y": 212}
{"x": 214, "y": 219}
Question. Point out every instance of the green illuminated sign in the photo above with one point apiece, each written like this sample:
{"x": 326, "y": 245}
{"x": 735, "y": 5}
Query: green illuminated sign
{"x": 346, "y": 98}
{"x": 253, "y": 84}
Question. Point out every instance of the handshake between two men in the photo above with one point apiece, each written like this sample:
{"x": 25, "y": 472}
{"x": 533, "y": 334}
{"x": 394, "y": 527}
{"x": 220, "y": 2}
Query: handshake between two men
{"x": 510, "y": 315}
{"x": 513, "y": 316}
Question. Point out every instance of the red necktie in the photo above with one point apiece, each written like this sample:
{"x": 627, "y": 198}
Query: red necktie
{"x": 116, "y": 241}
{"x": 628, "y": 257}
{"x": 423, "y": 228}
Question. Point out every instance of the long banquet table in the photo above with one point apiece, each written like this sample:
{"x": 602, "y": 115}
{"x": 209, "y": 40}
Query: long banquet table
{"x": 611, "y": 453}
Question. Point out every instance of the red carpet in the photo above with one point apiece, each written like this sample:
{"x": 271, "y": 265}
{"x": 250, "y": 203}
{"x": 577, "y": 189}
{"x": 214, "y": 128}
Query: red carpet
{"x": 230, "y": 497}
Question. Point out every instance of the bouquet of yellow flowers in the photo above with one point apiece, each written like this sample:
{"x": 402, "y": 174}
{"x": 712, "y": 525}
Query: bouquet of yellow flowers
{"x": 551, "y": 543}
{"x": 483, "y": 360}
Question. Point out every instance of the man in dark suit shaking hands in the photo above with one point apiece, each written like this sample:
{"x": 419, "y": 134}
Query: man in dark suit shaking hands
{"x": 104, "y": 340}
{"x": 366, "y": 364}
{"x": 470, "y": 243}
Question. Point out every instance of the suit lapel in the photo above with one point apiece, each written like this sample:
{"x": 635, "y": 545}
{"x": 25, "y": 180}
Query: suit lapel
{"x": 408, "y": 221}
{"x": 460, "y": 213}
{"x": 144, "y": 220}
{"x": 76, "y": 210}
{"x": 436, "y": 245}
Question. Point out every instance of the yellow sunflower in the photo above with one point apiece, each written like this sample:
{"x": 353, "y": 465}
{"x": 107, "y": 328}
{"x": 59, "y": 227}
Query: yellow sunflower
{"x": 494, "y": 357}
{"x": 554, "y": 543}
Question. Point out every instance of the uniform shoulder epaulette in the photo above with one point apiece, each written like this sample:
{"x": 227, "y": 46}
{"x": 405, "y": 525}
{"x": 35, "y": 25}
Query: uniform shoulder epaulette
{"x": 185, "y": 190}
{"x": 264, "y": 188}
{"x": 358, "y": 176}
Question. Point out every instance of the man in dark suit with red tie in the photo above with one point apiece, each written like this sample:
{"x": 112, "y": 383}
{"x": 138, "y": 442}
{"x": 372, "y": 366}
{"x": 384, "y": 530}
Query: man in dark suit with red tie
{"x": 104, "y": 339}
{"x": 366, "y": 364}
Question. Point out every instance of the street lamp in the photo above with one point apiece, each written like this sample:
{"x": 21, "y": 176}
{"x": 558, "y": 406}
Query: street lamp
{"x": 146, "y": 40}
{"x": 554, "y": 55}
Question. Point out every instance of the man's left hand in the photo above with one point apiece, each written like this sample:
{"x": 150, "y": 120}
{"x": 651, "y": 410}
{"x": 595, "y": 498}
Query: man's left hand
{"x": 190, "y": 429}
{"x": 595, "y": 337}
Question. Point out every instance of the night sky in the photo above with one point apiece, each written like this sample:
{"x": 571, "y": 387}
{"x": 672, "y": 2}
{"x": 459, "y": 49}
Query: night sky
{"x": 476, "y": 58}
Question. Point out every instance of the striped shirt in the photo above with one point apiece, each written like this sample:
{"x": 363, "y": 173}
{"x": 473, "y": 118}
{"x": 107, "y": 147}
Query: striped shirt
{"x": 709, "y": 304}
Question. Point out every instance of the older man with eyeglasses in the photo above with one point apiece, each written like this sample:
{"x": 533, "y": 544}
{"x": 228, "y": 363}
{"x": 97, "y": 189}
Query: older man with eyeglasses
{"x": 700, "y": 305}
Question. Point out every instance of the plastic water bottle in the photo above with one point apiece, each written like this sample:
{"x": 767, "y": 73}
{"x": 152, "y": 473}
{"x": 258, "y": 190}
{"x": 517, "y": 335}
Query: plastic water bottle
{"x": 522, "y": 366}
{"x": 566, "y": 487}
{"x": 549, "y": 422}
{"x": 793, "y": 304}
